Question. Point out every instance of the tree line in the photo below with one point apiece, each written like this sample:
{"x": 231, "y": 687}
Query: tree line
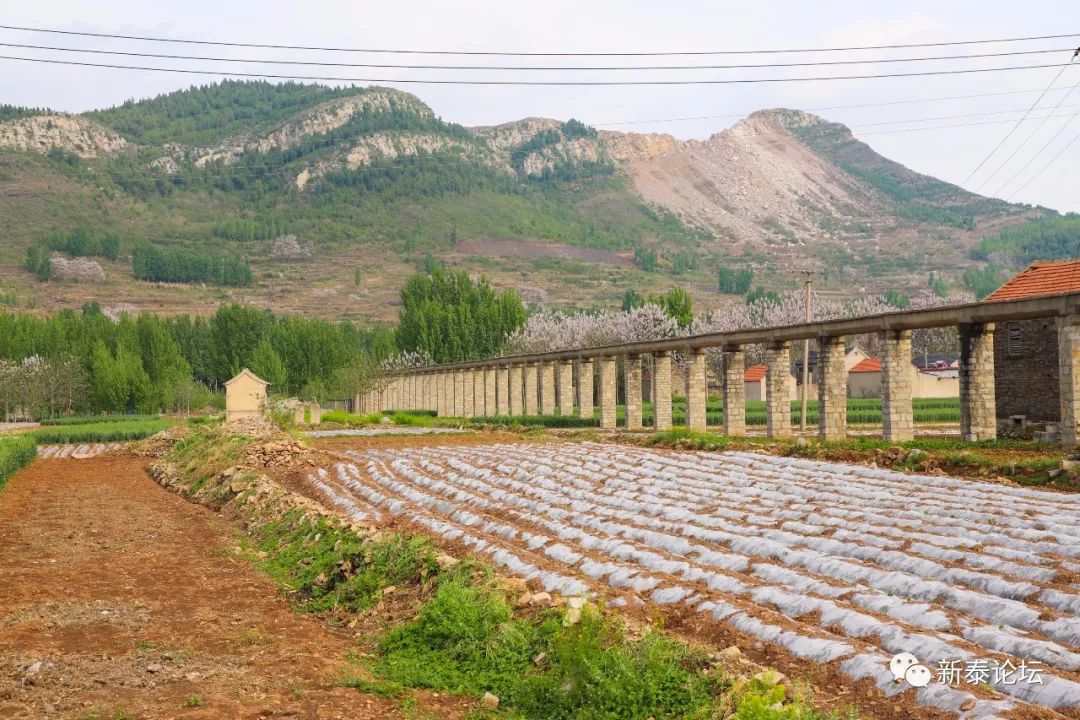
{"x": 158, "y": 264}
{"x": 87, "y": 361}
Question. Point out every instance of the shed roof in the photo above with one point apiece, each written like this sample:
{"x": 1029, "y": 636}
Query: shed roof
{"x": 249, "y": 374}
{"x": 754, "y": 373}
{"x": 1043, "y": 277}
{"x": 867, "y": 365}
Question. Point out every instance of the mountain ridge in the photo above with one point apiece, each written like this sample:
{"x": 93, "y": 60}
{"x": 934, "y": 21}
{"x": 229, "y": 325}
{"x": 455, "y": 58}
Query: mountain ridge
{"x": 358, "y": 168}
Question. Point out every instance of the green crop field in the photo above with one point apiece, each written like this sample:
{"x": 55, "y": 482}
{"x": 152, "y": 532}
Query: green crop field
{"x": 15, "y": 453}
{"x": 98, "y": 432}
{"x": 861, "y": 411}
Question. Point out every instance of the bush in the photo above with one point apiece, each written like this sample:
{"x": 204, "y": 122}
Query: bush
{"x": 15, "y": 453}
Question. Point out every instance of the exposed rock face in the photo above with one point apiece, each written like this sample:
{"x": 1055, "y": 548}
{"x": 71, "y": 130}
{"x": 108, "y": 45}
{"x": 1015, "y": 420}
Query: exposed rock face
{"x": 79, "y": 270}
{"x": 319, "y": 120}
{"x": 42, "y": 133}
{"x": 505, "y": 137}
{"x": 392, "y": 145}
{"x": 288, "y": 247}
{"x": 755, "y": 181}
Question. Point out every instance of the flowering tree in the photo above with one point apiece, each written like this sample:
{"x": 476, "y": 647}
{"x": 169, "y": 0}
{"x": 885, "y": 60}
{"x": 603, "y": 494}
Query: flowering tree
{"x": 548, "y": 331}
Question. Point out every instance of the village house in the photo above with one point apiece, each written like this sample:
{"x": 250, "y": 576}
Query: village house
{"x": 1026, "y": 372}
{"x": 937, "y": 381}
{"x": 245, "y": 396}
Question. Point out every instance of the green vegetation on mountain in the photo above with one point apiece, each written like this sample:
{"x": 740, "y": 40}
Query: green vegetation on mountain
{"x": 1047, "y": 238}
{"x": 918, "y": 197}
{"x": 14, "y": 112}
{"x": 208, "y": 114}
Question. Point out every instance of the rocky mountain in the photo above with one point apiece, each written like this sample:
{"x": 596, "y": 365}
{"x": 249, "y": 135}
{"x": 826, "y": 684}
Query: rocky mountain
{"x": 378, "y": 185}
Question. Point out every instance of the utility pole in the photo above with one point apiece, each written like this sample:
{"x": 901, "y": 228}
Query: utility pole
{"x": 806, "y": 352}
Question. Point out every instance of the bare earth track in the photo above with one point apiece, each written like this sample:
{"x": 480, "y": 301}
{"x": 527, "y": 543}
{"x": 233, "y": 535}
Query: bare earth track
{"x": 131, "y": 599}
{"x": 836, "y": 566}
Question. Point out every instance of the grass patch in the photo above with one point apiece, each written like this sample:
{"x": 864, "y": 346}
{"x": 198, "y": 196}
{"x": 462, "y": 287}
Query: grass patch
{"x": 98, "y": 419}
{"x": 551, "y": 421}
{"x": 98, "y": 432}
{"x": 466, "y": 640}
{"x": 327, "y": 567}
{"x": 382, "y": 688}
{"x": 15, "y": 453}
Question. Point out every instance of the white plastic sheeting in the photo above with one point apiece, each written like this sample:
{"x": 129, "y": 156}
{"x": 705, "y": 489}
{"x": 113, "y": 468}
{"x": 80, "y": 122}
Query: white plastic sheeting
{"x": 832, "y": 562}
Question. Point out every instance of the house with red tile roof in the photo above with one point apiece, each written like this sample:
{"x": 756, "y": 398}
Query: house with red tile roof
{"x": 1026, "y": 373}
{"x": 754, "y": 383}
{"x": 864, "y": 380}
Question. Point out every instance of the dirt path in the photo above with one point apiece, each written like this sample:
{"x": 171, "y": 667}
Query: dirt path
{"x": 135, "y": 606}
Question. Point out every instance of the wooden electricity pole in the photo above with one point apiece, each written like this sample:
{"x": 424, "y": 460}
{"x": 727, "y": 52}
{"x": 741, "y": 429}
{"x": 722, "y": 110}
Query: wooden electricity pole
{"x": 806, "y": 353}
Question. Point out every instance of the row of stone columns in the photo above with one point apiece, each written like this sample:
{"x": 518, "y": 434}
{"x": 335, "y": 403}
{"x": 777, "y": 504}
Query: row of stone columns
{"x": 549, "y": 388}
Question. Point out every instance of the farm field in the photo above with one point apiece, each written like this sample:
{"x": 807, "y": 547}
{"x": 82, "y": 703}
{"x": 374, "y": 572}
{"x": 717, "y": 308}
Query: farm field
{"x": 119, "y": 599}
{"x": 839, "y": 566}
{"x": 80, "y": 451}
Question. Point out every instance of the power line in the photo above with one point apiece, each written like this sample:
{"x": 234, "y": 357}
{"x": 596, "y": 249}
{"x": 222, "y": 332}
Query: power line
{"x": 1052, "y": 160}
{"x": 824, "y": 108}
{"x": 947, "y": 127}
{"x": 507, "y": 53}
{"x": 1026, "y": 140}
{"x": 1014, "y": 127}
{"x": 1034, "y": 157}
{"x": 533, "y": 68}
{"x": 956, "y": 117}
{"x": 591, "y": 83}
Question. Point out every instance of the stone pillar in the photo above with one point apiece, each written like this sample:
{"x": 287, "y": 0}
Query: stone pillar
{"x": 777, "y": 393}
{"x": 491, "y": 400}
{"x": 897, "y": 417}
{"x": 547, "y": 388}
{"x": 564, "y": 380}
{"x": 978, "y": 409}
{"x": 608, "y": 387}
{"x": 585, "y": 388}
{"x": 1068, "y": 329}
{"x": 697, "y": 390}
{"x": 479, "y": 384}
{"x": 662, "y": 391}
{"x": 735, "y": 392}
{"x": 532, "y": 403}
{"x": 502, "y": 389}
{"x": 832, "y": 389}
{"x": 440, "y": 394}
{"x": 467, "y": 393}
{"x": 429, "y": 391}
{"x": 516, "y": 389}
{"x": 632, "y": 378}
{"x": 448, "y": 392}
{"x": 459, "y": 393}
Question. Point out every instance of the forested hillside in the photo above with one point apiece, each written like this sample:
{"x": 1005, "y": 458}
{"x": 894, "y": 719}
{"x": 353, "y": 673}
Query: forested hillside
{"x": 318, "y": 200}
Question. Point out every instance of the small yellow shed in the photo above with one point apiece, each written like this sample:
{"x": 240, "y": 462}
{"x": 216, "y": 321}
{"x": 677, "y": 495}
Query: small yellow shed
{"x": 245, "y": 396}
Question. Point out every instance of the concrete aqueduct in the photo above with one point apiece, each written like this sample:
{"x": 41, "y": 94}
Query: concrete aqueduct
{"x": 549, "y": 383}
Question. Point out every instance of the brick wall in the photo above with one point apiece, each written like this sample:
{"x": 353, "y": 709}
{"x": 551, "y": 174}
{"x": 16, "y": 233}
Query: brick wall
{"x": 1026, "y": 369}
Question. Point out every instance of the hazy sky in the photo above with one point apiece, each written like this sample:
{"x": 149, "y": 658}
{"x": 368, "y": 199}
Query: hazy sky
{"x": 605, "y": 26}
